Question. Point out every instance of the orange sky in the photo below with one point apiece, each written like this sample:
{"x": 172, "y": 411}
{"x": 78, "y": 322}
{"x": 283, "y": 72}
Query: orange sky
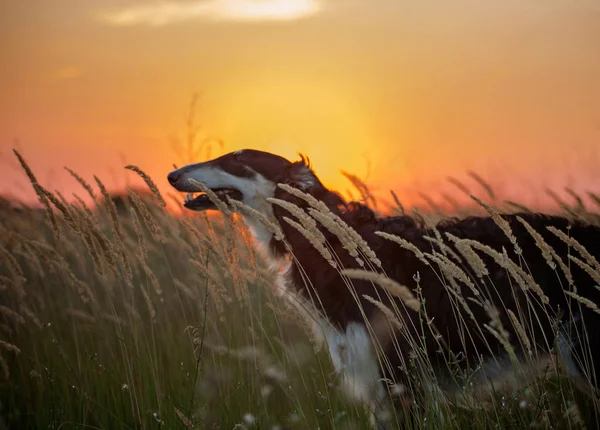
{"x": 422, "y": 89}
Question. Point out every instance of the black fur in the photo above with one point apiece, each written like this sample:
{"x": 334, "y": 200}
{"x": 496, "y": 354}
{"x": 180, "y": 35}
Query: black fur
{"x": 312, "y": 275}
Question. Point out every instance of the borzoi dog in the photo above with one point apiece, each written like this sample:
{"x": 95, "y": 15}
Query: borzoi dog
{"x": 461, "y": 301}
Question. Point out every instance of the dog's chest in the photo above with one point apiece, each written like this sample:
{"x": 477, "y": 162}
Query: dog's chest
{"x": 351, "y": 350}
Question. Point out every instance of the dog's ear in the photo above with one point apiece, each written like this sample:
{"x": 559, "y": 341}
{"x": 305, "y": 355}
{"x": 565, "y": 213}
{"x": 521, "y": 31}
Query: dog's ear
{"x": 300, "y": 175}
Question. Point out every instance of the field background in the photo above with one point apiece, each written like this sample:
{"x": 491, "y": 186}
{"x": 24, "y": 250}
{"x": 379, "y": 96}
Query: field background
{"x": 121, "y": 314}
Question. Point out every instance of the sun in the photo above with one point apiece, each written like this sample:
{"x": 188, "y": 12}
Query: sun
{"x": 268, "y": 9}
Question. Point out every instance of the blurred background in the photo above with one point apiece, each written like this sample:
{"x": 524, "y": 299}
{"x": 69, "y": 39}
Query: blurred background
{"x": 401, "y": 93}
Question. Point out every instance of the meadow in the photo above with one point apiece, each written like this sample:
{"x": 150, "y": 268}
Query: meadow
{"x": 119, "y": 314}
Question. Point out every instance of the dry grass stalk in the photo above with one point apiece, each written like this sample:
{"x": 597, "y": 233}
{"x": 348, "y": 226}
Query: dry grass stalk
{"x": 540, "y": 243}
{"x": 524, "y": 279}
{"x": 149, "y": 220}
{"x": 9, "y": 313}
{"x": 399, "y": 205}
{"x": 112, "y": 210}
{"x": 594, "y": 274}
{"x": 586, "y": 302}
{"x": 475, "y": 262}
{"x": 84, "y": 184}
{"x": 576, "y": 245}
{"x": 152, "y": 278}
{"x": 505, "y": 343}
{"x": 520, "y": 332}
{"x": 451, "y": 270}
{"x": 517, "y": 206}
{"x": 548, "y": 252}
{"x": 345, "y": 240}
{"x": 137, "y": 226}
{"x": 317, "y": 242}
{"x": 9, "y": 347}
{"x": 151, "y": 185}
{"x": 32, "y": 316}
{"x": 404, "y": 244}
{"x": 486, "y": 186}
{"x": 220, "y": 204}
{"x": 502, "y": 223}
{"x": 42, "y": 197}
{"x": 458, "y": 184}
{"x": 322, "y": 207}
{"x": 149, "y": 304}
{"x": 307, "y": 221}
{"x": 271, "y": 225}
{"x": 391, "y": 286}
{"x": 390, "y": 315}
{"x": 184, "y": 420}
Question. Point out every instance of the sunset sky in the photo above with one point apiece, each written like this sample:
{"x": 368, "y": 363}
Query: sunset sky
{"x": 417, "y": 90}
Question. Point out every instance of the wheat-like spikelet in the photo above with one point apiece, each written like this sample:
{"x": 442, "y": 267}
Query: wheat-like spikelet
{"x": 84, "y": 184}
{"x": 502, "y": 223}
{"x": 458, "y": 184}
{"x": 185, "y": 289}
{"x": 486, "y": 186}
{"x": 520, "y": 331}
{"x": 82, "y": 287}
{"x": 317, "y": 242}
{"x": 393, "y": 287}
{"x": 79, "y": 314}
{"x": 322, "y": 207}
{"x": 524, "y": 279}
{"x": 333, "y": 227}
{"x": 439, "y": 241}
{"x": 587, "y": 302}
{"x": 576, "y": 245}
{"x": 212, "y": 196}
{"x": 404, "y": 244}
{"x": 14, "y": 266}
{"x": 36, "y": 187}
{"x": 151, "y": 185}
{"x": 9, "y": 347}
{"x": 307, "y": 221}
{"x": 540, "y": 242}
{"x": 32, "y": 316}
{"x": 187, "y": 423}
{"x": 271, "y": 225}
{"x": 149, "y": 220}
{"x": 474, "y": 260}
{"x": 390, "y": 315}
{"x": 149, "y": 304}
{"x": 517, "y": 206}
{"x": 399, "y": 204}
{"x": 137, "y": 227}
{"x": 505, "y": 343}
{"x": 9, "y": 313}
{"x": 451, "y": 270}
{"x": 152, "y": 278}
{"x": 84, "y": 206}
{"x": 594, "y": 274}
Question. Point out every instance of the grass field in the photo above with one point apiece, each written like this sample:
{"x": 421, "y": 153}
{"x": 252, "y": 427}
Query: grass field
{"x": 121, "y": 315}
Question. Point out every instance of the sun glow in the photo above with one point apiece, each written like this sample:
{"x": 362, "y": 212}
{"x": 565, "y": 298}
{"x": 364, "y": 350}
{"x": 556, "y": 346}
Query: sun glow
{"x": 298, "y": 116}
{"x": 171, "y": 12}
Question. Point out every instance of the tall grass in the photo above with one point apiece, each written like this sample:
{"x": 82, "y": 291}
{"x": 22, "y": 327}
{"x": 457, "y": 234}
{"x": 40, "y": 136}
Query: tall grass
{"x": 122, "y": 315}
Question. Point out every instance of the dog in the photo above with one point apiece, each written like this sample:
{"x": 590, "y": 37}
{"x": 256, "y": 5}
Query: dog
{"x": 483, "y": 292}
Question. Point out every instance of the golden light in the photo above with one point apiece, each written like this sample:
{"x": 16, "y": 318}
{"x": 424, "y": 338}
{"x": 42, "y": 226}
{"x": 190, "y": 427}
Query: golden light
{"x": 298, "y": 116}
{"x": 173, "y": 12}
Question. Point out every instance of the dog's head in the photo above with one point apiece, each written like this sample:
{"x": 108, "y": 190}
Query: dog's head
{"x": 246, "y": 175}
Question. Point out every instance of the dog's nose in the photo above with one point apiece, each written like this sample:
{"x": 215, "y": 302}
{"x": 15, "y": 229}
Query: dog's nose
{"x": 173, "y": 177}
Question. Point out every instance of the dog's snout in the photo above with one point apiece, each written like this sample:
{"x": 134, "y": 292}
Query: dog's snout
{"x": 173, "y": 177}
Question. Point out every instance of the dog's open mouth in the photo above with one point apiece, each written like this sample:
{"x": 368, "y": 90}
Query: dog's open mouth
{"x": 201, "y": 201}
